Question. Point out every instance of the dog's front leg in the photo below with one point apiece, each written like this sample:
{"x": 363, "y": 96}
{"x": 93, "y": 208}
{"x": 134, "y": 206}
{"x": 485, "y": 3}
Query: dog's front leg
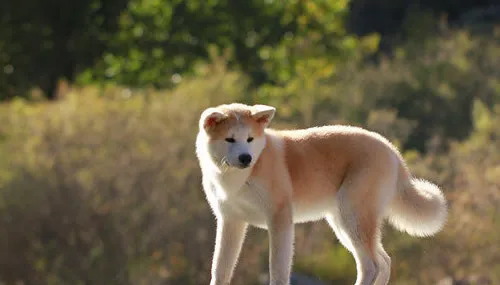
{"x": 281, "y": 237}
{"x": 229, "y": 239}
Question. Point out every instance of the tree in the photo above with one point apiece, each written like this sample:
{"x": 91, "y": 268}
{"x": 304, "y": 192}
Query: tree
{"x": 42, "y": 41}
{"x": 269, "y": 40}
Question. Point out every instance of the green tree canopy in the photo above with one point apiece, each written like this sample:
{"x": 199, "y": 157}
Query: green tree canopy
{"x": 43, "y": 41}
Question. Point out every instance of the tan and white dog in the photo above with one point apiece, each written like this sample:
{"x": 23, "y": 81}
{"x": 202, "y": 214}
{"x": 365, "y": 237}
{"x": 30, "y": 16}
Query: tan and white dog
{"x": 272, "y": 179}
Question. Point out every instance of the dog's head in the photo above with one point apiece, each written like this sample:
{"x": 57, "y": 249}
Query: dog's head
{"x": 235, "y": 133}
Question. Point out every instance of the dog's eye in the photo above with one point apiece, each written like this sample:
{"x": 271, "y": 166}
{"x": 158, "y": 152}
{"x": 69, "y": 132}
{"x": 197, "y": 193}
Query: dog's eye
{"x": 250, "y": 139}
{"x": 230, "y": 140}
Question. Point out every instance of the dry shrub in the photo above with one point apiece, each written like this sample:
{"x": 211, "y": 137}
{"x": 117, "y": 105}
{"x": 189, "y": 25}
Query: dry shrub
{"x": 103, "y": 187}
{"x": 467, "y": 248}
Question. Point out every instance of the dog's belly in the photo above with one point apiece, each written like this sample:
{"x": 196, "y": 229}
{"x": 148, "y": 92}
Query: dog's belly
{"x": 300, "y": 215}
{"x": 252, "y": 204}
{"x": 312, "y": 211}
{"x": 255, "y": 214}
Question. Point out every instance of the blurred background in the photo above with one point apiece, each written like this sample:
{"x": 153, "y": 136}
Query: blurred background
{"x": 99, "y": 110}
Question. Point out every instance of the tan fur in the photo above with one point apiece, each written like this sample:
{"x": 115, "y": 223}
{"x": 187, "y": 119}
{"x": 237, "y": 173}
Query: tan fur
{"x": 349, "y": 176}
{"x": 234, "y": 118}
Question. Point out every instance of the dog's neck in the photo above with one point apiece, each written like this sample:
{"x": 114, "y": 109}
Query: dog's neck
{"x": 230, "y": 181}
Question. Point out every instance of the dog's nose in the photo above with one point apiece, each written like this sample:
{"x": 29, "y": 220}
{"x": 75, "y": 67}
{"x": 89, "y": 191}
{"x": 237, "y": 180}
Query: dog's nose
{"x": 245, "y": 159}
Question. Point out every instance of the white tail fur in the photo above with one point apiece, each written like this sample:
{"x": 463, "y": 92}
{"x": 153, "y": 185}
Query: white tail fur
{"x": 418, "y": 208}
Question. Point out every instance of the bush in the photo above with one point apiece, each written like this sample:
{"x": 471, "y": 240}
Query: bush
{"x": 430, "y": 84}
{"x": 103, "y": 186}
{"x": 421, "y": 97}
{"x": 466, "y": 249}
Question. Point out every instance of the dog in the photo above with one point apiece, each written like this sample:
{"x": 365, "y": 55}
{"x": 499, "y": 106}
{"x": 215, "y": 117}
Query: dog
{"x": 351, "y": 177}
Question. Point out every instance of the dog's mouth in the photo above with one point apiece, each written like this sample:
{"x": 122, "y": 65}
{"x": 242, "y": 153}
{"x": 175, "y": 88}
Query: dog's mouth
{"x": 243, "y": 166}
{"x": 225, "y": 164}
{"x": 238, "y": 166}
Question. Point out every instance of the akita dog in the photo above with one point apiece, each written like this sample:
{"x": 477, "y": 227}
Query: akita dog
{"x": 272, "y": 179}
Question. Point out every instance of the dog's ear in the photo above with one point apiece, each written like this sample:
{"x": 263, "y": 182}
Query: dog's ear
{"x": 263, "y": 114}
{"x": 211, "y": 117}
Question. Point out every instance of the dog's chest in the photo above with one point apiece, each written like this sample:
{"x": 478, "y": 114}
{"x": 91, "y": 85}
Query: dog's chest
{"x": 250, "y": 203}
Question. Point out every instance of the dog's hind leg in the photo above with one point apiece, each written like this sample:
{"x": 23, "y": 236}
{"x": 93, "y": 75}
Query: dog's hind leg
{"x": 360, "y": 241}
{"x": 384, "y": 265}
{"x": 356, "y": 220}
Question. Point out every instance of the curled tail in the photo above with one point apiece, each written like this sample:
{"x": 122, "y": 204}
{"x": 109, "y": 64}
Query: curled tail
{"x": 419, "y": 207}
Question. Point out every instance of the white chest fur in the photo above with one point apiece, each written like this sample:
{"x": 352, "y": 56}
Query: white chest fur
{"x": 235, "y": 196}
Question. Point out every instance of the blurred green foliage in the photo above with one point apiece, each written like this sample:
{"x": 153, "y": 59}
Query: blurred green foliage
{"x": 153, "y": 42}
{"x": 268, "y": 40}
{"x": 44, "y": 41}
{"x": 102, "y": 186}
